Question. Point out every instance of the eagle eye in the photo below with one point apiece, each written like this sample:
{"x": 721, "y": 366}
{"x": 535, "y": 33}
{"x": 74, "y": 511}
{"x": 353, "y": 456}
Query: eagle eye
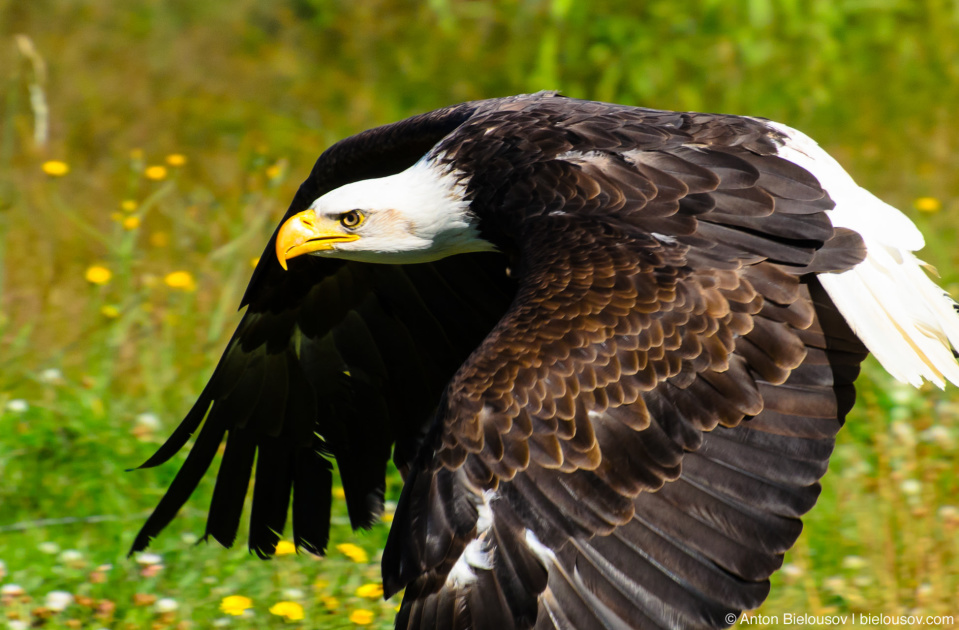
{"x": 351, "y": 219}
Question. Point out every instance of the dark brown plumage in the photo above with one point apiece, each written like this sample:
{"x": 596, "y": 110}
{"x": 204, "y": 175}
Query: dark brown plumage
{"x": 622, "y": 432}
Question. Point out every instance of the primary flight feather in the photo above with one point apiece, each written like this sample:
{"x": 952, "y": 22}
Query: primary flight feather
{"x": 609, "y": 348}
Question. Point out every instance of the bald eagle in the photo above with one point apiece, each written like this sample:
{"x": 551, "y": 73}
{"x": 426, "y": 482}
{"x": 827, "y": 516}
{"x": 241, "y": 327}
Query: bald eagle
{"x": 609, "y": 348}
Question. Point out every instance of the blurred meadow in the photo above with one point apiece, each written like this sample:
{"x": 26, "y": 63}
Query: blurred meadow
{"x": 147, "y": 149}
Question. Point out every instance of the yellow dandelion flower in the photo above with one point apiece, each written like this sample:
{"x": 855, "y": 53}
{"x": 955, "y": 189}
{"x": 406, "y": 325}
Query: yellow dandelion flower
{"x": 131, "y": 223}
{"x": 176, "y": 159}
{"x": 159, "y": 239}
{"x": 928, "y": 204}
{"x": 331, "y": 603}
{"x": 354, "y": 553}
{"x": 387, "y": 517}
{"x": 98, "y": 275}
{"x": 361, "y": 617}
{"x": 274, "y": 170}
{"x": 156, "y": 172}
{"x": 339, "y": 492}
{"x": 128, "y": 205}
{"x": 236, "y": 604}
{"x": 55, "y": 168}
{"x": 182, "y": 280}
{"x": 370, "y": 591}
{"x": 285, "y": 548}
{"x": 254, "y": 262}
{"x": 109, "y": 311}
{"x": 289, "y": 610}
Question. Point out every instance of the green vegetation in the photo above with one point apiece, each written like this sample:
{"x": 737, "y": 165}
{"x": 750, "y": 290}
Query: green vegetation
{"x": 145, "y": 138}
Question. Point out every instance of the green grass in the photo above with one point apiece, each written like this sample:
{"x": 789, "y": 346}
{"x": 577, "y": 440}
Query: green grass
{"x": 250, "y": 92}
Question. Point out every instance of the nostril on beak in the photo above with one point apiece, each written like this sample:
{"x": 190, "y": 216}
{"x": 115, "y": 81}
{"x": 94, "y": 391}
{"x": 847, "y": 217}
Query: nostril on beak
{"x": 307, "y": 222}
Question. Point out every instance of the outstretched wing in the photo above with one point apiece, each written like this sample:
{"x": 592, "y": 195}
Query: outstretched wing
{"x": 331, "y": 359}
{"x": 632, "y": 446}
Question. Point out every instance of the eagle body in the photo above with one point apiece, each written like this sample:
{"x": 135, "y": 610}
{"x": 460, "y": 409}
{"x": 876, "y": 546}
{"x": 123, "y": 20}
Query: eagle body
{"x": 610, "y": 348}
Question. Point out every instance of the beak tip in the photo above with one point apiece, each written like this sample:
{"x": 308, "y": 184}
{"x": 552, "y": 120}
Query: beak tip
{"x": 281, "y": 255}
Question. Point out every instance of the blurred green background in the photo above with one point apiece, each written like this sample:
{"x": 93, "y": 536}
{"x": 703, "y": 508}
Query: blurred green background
{"x": 147, "y": 149}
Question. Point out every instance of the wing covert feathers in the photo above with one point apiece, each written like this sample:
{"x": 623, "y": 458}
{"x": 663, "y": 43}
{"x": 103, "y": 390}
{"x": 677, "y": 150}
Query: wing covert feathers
{"x": 701, "y": 547}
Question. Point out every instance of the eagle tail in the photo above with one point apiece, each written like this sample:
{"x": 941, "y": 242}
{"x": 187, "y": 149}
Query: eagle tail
{"x": 908, "y": 322}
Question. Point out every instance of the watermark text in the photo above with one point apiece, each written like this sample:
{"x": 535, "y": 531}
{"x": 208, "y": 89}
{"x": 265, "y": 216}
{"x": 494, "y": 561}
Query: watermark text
{"x": 851, "y": 619}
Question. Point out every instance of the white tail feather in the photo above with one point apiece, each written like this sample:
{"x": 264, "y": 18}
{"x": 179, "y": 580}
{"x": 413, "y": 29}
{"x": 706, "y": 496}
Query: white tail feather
{"x": 899, "y": 313}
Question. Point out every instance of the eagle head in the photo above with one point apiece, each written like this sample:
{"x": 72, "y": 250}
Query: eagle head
{"x": 418, "y": 215}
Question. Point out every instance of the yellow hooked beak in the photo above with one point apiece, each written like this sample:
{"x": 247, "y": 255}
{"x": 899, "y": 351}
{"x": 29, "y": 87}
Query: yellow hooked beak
{"x": 305, "y": 232}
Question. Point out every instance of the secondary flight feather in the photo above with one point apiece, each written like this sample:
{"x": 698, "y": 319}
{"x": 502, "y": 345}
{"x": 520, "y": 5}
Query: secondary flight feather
{"x": 609, "y": 348}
